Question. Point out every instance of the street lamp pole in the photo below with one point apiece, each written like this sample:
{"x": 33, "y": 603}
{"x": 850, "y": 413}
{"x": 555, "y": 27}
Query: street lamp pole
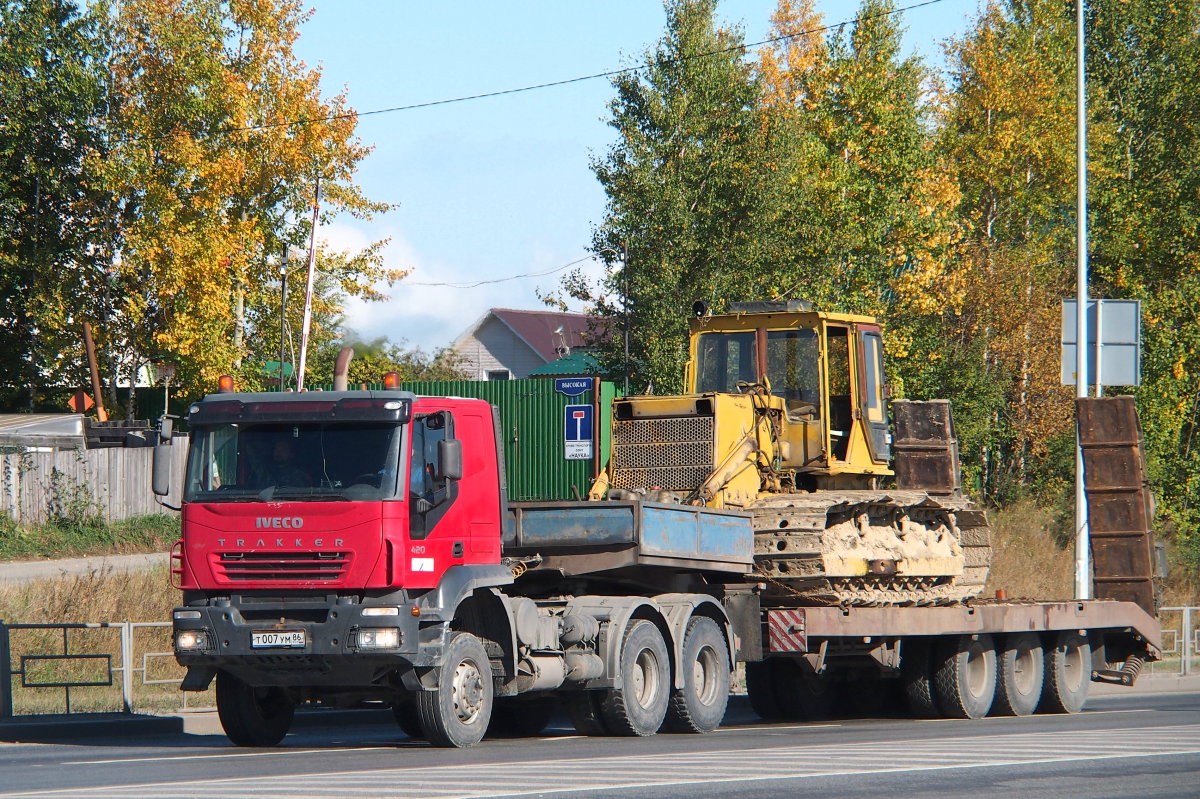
{"x": 1082, "y": 536}
{"x": 283, "y": 269}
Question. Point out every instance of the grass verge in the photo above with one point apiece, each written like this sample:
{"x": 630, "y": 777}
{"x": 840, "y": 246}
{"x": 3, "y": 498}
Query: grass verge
{"x": 76, "y": 537}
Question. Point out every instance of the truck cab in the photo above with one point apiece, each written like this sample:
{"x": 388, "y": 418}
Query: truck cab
{"x": 331, "y": 490}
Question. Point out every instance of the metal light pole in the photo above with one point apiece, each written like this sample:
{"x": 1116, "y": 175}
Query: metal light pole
{"x": 283, "y": 267}
{"x": 1082, "y": 536}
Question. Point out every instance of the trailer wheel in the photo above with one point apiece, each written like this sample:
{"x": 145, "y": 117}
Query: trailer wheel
{"x": 457, "y": 713}
{"x": 965, "y": 676}
{"x": 801, "y": 693}
{"x": 408, "y": 720}
{"x": 1068, "y": 671}
{"x": 760, "y": 687}
{"x": 700, "y": 705}
{"x": 583, "y": 708}
{"x": 638, "y": 708}
{"x": 868, "y": 697}
{"x": 916, "y": 674}
{"x": 253, "y": 716}
{"x": 1021, "y": 671}
{"x": 521, "y": 718}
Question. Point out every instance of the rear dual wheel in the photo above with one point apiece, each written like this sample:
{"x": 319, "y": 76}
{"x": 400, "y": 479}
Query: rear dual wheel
{"x": 699, "y": 706}
{"x": 639, "y": 706}
{"x": 783, "y": 689}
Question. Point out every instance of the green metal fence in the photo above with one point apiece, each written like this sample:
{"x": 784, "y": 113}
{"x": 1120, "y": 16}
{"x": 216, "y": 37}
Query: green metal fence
{"x": 533, "y": 423}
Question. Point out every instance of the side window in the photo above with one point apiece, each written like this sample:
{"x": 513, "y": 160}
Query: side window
{"x": 873, "y": 358}
{"x": 427, "y": 432}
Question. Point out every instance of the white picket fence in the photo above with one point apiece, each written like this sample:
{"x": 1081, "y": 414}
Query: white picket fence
{"x": 111, "y": 482}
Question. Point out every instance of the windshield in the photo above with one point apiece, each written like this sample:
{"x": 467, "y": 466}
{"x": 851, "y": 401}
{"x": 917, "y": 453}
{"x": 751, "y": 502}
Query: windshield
{"x": 246, "y": 462}
{"x": 725, "y": 359}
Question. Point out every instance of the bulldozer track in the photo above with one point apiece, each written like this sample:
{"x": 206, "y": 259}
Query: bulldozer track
{"x": 793, "y": 532}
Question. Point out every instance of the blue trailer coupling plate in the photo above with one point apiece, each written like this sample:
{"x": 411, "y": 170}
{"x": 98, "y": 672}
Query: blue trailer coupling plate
{"x": 675, "y": 532}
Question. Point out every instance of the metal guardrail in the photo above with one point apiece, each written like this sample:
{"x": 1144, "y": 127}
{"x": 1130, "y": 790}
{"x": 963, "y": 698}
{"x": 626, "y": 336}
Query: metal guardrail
{"x": 1181, "y": 641}
{"x": 29, "y": 666}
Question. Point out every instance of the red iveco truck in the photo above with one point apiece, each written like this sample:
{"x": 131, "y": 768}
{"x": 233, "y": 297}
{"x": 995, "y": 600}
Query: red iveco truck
{"x": 357, "y": 546}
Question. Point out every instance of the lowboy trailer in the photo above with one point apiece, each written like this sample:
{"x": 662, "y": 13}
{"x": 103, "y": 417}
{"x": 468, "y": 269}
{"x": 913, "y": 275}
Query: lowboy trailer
{"x": 357, "y": 546}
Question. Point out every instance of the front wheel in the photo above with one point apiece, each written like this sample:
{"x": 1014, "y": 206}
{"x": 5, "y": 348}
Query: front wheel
{"x": 640, "y": 705}
{"x": 253, "y": 716}
{"x": 458, "y": 712}
{"x": 700, "y": 705}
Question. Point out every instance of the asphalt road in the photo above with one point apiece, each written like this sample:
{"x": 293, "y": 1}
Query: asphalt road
{"x": 1145, "y": 745}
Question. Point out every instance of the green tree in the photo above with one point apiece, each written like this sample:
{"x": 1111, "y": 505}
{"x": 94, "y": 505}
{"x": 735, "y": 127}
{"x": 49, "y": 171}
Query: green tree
{"x": 1007, "y": 129}
{"x": 213, "y": 175}
{"x": 1143, "y": 68}
{"x": 52, "y": 93}
{"x": 684, "y": 210}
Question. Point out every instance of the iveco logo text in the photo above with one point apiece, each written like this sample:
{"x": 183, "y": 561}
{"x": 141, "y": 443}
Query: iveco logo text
{"x": 292, "y": 522}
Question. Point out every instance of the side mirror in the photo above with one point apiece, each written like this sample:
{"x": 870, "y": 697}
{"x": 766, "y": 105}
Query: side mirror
{"x": 450, "y": 460}
{"x": 160, "y": 481}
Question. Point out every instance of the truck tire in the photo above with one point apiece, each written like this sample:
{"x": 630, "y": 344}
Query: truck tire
{"x": 253, "y": 716}
{"x": 639, "y": 707}
{"x": 699, "y": 706}
{"x": 868, "y": 697}
{"x": 760, "y": 688}
{"x": 408, "y": 720}
{"x": 916, "y": 675}
{"x": 965, "y": 676}
{"x": 803, "y": 695}
{"x": 583, "y": 708}
{"x": 1068, "y": 671}
{"x": 521, "y": 718}
{"x": 1020, "y": 674}
{"x": 458, "y": 712}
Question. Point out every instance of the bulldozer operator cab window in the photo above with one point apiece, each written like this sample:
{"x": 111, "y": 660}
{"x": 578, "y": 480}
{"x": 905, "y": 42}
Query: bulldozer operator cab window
{"x": 841, "y": 417}
{"x": 724, "y": 360}
{"x": 793, "y": 367}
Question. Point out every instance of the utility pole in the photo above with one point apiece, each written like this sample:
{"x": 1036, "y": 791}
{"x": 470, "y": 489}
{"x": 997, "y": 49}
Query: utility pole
{"x": 312, "y": 268}
{"x": 283, "y": 270}
{"x": 1082, "y": 536}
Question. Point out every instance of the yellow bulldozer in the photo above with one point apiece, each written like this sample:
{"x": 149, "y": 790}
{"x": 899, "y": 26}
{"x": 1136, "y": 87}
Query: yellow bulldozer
{"x": 785, "y": 416}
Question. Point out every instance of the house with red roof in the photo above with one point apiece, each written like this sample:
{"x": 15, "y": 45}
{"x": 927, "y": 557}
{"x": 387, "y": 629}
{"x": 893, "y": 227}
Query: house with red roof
{"x": 507, "y": 344}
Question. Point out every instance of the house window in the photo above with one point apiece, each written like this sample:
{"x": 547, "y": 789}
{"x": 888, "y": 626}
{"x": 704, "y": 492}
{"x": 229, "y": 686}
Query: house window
{"x": 498, "y": 374}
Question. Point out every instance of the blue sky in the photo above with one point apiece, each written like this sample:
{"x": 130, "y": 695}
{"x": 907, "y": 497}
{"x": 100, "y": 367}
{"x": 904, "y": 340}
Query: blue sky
{"x": 498, "y": 187}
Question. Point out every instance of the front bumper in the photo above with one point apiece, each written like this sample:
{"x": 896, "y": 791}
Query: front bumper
{"x": 333, "y": 653}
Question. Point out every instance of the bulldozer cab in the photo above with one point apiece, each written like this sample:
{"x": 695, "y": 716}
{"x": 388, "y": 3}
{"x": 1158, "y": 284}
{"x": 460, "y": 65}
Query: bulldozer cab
{"x": 823, "y": 371}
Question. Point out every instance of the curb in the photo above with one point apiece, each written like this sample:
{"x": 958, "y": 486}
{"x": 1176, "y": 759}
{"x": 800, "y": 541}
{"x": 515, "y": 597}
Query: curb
{"x": 58, "y": 727}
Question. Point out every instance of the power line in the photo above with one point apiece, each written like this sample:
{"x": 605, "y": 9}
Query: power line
{"x": 567, "y": 81}
{"x": 504, "y": 279}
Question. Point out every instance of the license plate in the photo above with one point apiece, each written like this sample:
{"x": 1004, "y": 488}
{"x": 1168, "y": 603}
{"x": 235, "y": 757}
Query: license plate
{"x": 277, "y": 639}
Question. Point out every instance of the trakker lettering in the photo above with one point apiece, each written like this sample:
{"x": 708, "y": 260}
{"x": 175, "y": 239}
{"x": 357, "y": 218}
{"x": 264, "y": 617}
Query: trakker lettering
{"x": 279, "y": 542}
{"x": 291, "y": 522}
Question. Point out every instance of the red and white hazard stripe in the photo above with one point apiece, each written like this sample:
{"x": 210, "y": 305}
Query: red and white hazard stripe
{"x": 786, "y": 631}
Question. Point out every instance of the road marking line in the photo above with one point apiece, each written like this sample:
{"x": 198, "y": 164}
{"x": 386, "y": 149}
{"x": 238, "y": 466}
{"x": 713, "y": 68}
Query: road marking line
{"x": 281, "y": 753}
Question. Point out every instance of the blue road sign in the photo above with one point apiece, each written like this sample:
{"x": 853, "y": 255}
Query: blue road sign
{"x": 578, "y": 432}
{"x": 572, "y": 386}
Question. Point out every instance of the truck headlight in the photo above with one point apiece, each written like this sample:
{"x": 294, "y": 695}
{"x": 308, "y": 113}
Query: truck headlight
{"x": 378, "y": 638}
{"x": 191, "y": 640}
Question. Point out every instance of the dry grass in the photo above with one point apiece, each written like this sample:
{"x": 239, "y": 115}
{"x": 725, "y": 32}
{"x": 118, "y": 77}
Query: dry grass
{"x": 1026, "y": 560}
{"x": 97, "y": 597}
